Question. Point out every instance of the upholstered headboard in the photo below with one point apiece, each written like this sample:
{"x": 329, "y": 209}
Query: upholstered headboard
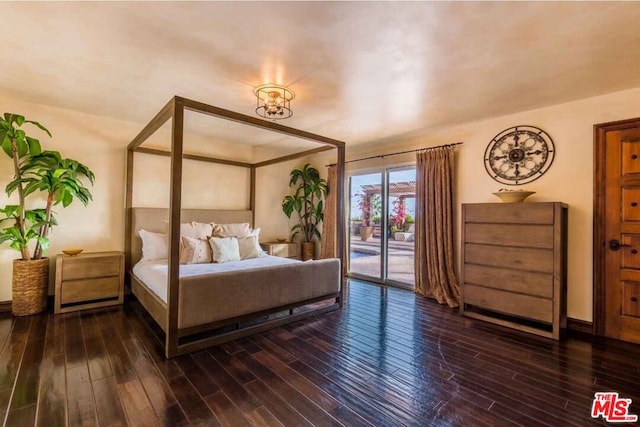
{"x": 155, "y": 219}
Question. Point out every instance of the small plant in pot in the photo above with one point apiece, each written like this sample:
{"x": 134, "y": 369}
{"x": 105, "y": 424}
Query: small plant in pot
{"x": 370, "y": 206}
{"x": 307, "y": 202}
{"x": 35, "y": 171}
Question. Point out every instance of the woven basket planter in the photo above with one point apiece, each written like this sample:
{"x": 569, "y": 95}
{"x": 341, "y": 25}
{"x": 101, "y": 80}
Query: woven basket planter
{"x": 308, "y": 250}
{"x": 30, "y": 286}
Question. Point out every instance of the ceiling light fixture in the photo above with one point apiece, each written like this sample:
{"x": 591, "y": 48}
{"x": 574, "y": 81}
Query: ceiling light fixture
{"x": 273, "y": 101}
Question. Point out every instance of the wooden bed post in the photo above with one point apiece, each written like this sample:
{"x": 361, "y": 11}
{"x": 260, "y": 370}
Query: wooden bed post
{"x": 159, "y": 119}
{"x": 340, "y": 220}
{"x": 175, "y": 207}
{"x": 128, "y": 207}
{"x": 252, "y": 195}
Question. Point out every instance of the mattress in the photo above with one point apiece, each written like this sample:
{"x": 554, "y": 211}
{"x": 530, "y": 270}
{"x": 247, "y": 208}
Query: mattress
{"x": 154, "y": 273}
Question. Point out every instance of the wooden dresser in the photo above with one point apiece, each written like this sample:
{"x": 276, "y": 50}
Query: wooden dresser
{"x": 89, "y": 280}
{"x": 514, "y": 270}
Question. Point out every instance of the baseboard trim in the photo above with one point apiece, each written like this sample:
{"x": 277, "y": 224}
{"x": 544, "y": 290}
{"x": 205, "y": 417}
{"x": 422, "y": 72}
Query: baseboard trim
{"x": 582, "y": 326}
{"x": 5, "y": 306}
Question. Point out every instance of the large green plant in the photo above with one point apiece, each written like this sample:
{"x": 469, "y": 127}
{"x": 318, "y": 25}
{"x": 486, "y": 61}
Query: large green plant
{"x": 306, "y": 201}
{"x": 35, "y": 170}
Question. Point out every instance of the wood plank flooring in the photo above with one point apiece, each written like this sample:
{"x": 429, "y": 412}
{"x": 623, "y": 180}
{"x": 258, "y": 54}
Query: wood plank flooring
{"x": 389, "y": 358}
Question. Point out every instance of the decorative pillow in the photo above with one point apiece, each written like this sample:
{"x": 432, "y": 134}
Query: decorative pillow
{"x": 194, "y": 251}
{"x": 256, "y": 232}
{"x": 196, "y": 230}
{"x": 224, "y": 249}
{"x": 249, "y": 247}
{"x": 232, "y": 230}
{"x": 154, "y": 245}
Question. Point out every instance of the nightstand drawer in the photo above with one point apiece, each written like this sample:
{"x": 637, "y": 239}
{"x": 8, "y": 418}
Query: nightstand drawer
{"x": 285, "y": 250}
{"x": 90, "y": 289}
{"x": 83, "y": 268}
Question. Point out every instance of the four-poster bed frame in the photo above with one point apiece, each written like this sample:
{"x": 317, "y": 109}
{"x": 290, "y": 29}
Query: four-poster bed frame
{"x": 168, "y": 318}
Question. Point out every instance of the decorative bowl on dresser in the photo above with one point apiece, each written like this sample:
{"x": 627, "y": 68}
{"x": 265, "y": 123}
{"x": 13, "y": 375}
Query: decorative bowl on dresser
{"x": 518, "y": 196}
{"x": 89, "y": 280}
{"x": 514, "y": 270}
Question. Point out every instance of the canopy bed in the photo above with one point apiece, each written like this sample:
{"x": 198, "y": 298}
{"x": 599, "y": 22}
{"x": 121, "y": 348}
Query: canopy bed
{"x": 200, "y": 305}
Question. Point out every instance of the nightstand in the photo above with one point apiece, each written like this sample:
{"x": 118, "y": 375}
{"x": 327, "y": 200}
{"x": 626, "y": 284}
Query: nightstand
{"x": 285, "y": 250}
{"x": 89, "y": 280}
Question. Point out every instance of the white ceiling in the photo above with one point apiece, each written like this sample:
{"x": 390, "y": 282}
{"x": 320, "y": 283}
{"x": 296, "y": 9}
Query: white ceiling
{"x": 361, "y": 71}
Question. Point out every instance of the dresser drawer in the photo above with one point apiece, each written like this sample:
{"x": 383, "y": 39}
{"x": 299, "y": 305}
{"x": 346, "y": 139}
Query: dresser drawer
{"x": 84, "y": 268}
{"x": 90, "y": 289}
{"x": 526, "y": 306}
{"x": 517, "y": 258}
{"x": 518, "y": 235}
{"x": 524, "y": 282}
{"x": 510, "y": 213}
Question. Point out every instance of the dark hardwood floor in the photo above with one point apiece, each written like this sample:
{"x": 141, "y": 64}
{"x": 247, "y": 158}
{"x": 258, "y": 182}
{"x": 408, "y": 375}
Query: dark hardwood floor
{"x": 388, "y": 358}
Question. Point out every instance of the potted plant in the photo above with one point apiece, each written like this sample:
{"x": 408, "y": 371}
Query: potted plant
{"x": 408, "y": 222}
{"x": 398, "y": 216}
{"x": 34, "y": 170}
{"x": 307, "y": 202}
{"x": 370, "y": 208}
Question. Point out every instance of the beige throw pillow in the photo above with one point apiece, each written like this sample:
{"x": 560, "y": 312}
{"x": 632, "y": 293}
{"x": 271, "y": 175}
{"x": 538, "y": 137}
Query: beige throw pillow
{"x": 249, "y": 247}
{"x": 232, "y": 230}
{"x": 194, "y": 251}
{"x": 197, "y": 230}
{"x": 224, "y": 249}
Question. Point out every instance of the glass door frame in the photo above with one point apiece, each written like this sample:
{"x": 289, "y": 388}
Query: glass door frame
{"x": 384, "y": 221}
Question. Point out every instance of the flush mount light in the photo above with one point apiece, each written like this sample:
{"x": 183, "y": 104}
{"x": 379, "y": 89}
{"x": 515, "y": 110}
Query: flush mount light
{"x": 273, "y": 101}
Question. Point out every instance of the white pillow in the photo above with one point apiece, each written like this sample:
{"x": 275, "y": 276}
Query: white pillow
{"x": 249, "y": 247}
{"x": 232, "y": 230}
{"x": 225, "y": 249}
{"x": 154, "y": 245}
{"x": 194, "y": 251}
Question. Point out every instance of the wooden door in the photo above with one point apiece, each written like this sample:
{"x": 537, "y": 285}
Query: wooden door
{"x": 619, "y": 296}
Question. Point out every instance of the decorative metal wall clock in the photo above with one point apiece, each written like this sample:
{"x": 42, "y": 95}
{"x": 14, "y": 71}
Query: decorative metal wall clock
{"x": 519, "y": 155}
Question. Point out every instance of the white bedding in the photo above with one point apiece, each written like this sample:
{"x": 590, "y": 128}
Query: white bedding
{"x": 154, "y": 273}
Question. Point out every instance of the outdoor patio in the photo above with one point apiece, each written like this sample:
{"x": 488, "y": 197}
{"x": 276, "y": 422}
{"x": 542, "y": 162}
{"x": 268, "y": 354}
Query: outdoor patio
{"x": 365, "y": 259}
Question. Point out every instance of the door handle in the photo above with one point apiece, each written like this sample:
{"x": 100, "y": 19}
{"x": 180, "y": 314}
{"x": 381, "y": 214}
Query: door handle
{"x": 614, "y": 245}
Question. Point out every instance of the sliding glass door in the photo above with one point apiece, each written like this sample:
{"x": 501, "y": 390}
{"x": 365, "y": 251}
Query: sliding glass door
{"x": 381, "y": 226}
{"x": 402, "y": 210}
{"x": 365, "y": 242}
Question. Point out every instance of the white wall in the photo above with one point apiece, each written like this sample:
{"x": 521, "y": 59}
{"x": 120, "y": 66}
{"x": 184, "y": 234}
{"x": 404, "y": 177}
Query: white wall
{"x": 569, "y": 180}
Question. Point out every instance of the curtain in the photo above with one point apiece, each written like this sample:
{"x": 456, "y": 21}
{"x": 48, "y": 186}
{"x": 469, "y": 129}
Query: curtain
{"x": 435, "y": 275}
{"x": 329, "y": 223}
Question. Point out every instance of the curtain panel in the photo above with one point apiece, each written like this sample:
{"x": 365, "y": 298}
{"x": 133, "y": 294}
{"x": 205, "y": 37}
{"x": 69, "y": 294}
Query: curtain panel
{"x": 329, "y": 225}
{"x": 435, "y": 274}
